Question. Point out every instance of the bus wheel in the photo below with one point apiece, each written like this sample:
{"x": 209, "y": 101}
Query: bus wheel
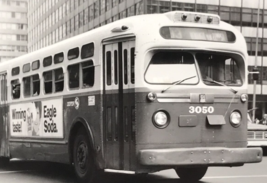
{"x": 4, "y": 161}
{"x": 83, "y": 160}
{"x": 191, "y": 174}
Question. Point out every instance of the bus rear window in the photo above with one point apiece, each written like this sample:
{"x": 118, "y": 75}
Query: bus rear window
{"x": 168, "y": 67}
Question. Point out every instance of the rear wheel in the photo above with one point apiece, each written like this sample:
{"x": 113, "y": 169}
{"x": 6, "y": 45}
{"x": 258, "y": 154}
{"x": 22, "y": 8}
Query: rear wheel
{"x": 4, "y": 161}
{"x": 83, "y": 160}
{"x": 191, "y": 174}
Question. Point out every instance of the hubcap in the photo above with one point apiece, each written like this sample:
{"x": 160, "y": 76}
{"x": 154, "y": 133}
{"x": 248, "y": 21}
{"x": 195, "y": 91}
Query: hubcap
{"x": 82, "y": 156}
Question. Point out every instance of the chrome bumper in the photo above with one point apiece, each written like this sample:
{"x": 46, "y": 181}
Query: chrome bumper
{"x": 200, "y": 156}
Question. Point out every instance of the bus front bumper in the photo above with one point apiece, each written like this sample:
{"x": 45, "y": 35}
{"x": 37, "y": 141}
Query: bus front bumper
{"x": 200, "y": 156}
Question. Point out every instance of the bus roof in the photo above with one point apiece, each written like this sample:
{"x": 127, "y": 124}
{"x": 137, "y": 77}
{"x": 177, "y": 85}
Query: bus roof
{"x": 141, "y": 26}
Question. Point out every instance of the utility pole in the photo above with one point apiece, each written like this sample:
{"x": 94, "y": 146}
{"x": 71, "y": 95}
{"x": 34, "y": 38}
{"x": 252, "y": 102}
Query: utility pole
{"x": 255, "y": 65}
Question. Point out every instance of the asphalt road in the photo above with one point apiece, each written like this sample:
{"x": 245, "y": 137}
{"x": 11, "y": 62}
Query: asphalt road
{"x": 40, "y": 172}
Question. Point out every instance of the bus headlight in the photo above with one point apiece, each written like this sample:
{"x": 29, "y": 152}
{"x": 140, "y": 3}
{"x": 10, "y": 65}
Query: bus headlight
{"x": 244, "y": 98}
{"x": 235, "y": 118}
{"x": 161, "y": 119}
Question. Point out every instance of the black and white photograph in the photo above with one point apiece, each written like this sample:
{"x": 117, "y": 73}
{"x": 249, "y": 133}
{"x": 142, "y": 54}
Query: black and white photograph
{"x": 133, "y": 91}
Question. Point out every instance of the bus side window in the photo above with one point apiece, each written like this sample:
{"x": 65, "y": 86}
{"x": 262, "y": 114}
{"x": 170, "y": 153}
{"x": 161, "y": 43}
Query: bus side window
{"x": 132, "y": 66}
{"x": 73, "y": 53}
{"x": 88, "y": 71}
{"x": 87, "y": 50}
{"x": 27, "y": 86}
{"x": 35, "y": 85}
{"x": 15, "y": 89}
{"x": 74, "y": 76}
{"x": 125, "y": 64}
{"x": 48, "y": 82}
{"x": 59, "y": 80}
{"x": 108, "y": 64}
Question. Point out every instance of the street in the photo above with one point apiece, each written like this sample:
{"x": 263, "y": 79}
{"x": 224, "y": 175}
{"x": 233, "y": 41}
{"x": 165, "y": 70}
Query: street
{"x": 43, "y": 172}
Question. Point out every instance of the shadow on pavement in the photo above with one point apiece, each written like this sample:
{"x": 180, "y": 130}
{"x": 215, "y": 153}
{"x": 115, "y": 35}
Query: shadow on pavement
{"x": 55, "y": 172}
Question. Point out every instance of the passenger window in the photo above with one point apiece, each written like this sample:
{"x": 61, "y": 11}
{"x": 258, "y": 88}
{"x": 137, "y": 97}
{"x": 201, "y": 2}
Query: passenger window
{"x": 125, "y": 67}
{"x": 47, "y": 61}
{"x": 35, "y": 65}
{"x": 59, "y": 80}
{"x": 48, "y": 82}
{"x": 27, "y": 86}
{"x": 116, "y": 67}
{"x": 58, "y": 58}
{"x": 88, "y": 71}
{"x": 132, "y": 66}
{"x": 74, "y": 76}
{"x": 87, "y": 50}
{"x": 73, "y": 53}
{"x": 26, "y": 67}
{"x": 15, "y": 89}
{"x": 35, "y": 85}
{"x": 15, "y": 71}
{"x": 108, "y": 68}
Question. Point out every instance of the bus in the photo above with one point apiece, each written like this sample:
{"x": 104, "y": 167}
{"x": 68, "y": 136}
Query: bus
{"x": 139, "y": 95}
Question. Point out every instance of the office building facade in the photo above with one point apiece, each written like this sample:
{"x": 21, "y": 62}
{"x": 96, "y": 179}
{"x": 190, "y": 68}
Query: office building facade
{"x": 51, "y": 21}
{"x": 13, "y": 29}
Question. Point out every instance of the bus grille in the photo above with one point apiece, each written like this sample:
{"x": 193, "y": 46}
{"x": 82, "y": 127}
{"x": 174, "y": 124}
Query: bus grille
{"x": 257, "y": 135}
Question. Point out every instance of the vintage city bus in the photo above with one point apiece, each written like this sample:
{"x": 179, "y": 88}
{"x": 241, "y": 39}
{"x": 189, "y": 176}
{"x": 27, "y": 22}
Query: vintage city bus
{"x": 139, "y": 95}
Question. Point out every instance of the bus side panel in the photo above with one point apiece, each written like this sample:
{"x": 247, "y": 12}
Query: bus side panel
{"x": 41, "y": 151}
{"x": 4, "y": 150}
{"x": 85, "y": 108}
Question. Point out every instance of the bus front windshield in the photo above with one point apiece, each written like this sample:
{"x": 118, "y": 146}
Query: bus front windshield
{"x": 169, "y": 67}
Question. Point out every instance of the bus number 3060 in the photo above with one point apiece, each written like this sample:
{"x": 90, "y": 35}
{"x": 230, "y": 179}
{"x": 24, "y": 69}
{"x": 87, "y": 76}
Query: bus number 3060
{"x": 199, "y": 109}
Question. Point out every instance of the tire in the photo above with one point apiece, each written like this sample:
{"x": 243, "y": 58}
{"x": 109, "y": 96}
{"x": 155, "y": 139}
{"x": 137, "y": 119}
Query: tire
{"x": 191, "y": 174}
{"x": 4, "y": 161}
{"x": 84, "y": 165}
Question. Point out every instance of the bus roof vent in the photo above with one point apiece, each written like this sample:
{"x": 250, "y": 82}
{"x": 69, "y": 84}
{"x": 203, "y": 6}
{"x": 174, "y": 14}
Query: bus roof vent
{"x": 193, "y": 17}
{"x": 120, "y": 29}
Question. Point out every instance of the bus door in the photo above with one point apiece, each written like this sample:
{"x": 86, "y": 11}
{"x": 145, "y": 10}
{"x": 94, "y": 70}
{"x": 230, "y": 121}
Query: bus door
{"x": 3, "y": 116}
{"x": 118, "y": 103}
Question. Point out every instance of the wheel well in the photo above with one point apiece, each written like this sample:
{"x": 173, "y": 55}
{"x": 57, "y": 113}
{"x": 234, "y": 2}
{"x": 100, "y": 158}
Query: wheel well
{"x": 75, "y": 129}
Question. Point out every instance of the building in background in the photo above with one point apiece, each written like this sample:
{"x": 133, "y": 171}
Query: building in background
{"x": 13, "y": 28}
{"x": 51, "y": 21}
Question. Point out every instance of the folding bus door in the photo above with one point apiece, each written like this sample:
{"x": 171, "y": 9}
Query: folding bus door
{"x": 4, "y": 150}
{"x": 117, "y": 103}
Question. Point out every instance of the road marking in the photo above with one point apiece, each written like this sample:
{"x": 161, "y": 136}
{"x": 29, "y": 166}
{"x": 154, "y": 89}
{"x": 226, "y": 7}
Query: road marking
{"x": 18, "y": 171}
{"x": 230, "y": 177}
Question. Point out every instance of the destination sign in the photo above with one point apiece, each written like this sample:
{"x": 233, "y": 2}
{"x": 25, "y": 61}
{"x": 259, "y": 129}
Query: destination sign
{"x": 198, "y": 34}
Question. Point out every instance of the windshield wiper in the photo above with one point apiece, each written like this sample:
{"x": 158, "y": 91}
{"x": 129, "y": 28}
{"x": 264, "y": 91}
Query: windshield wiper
{"x": 222, "y": 84}
{"x": 177, "y": 83}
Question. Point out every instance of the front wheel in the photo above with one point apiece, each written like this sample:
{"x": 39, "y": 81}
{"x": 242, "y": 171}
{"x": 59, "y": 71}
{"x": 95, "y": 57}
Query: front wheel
{"x": 191, "y": 174}
{"x": 83, "y": 160}
{"x": 4, "y": 161}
